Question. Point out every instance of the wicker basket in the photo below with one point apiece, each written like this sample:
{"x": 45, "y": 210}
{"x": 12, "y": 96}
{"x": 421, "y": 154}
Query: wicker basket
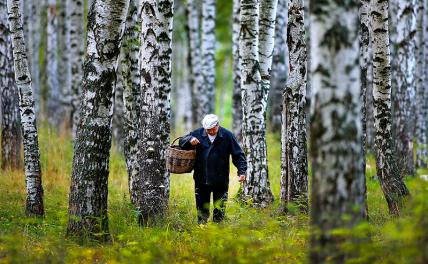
{"x": 178, "y": 160}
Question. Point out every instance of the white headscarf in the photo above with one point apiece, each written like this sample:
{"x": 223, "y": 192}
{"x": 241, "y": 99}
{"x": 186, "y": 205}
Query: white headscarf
{"x": 210, "y": 121}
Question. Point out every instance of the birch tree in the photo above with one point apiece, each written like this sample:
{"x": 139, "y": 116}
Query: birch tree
{"x": 75, "y": 52}
{"x": 34, "y": 42}
{"x": 294, "y": 171}
{"x": 364, "y": 62}
{"x": 336, "y": 132}
{"x": 422, "y": 105}
{"x": 117, "y": 122}
{"x": 166, "y": 11}
{"x": 131, "y": 94}
{"x": 279, "y": 66}
{"x": 392, "y": 185}
{"x": 236, "y": 72}
{"x": 208, "y": 43}
{"x": 253, "y": 54}
{"x": 10, "y": 128}
{"x": 63, "y": 67}
{"x": 88, "y": 191}
{"x": 404, "y": 89}
{"x": 33, "y": 173}
{"x": 53, "y": 103}
{"x": 195, "y": 59}
{"x": 155, "y": 71}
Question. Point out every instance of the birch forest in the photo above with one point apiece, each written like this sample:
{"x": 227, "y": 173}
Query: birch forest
{"x": 327, "y": 99}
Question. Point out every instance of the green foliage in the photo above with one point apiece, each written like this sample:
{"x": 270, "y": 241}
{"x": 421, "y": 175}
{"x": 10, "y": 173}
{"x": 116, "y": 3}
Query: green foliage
{"x": 247, "y": 236}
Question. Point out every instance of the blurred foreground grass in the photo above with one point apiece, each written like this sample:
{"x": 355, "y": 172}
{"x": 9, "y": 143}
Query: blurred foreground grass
{"x": 247, "y": 236}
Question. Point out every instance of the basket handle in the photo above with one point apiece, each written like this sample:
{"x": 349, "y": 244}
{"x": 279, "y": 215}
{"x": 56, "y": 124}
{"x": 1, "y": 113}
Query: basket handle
{"x": 175, "y": 140}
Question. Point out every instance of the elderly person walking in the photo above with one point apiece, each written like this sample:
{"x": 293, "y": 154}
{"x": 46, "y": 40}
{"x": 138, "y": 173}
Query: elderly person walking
{"x": 214, "y": 145}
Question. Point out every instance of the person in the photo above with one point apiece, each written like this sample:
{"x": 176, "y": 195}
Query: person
{"x": 214, "y": 146}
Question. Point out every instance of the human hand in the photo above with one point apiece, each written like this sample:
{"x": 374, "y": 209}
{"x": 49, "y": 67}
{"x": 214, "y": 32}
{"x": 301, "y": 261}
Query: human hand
{"x": 241, "y": 178}
{"x": 194, "y": 141}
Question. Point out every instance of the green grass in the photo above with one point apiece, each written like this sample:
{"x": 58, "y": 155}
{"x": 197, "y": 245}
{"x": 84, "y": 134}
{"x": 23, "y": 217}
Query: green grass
{"x": 247, "y": 236}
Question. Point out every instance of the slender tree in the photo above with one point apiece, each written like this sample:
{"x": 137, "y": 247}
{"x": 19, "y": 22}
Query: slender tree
{"x": 34, "y": 31}
{"x": 88, "y": 191}
{"x": 194, "y": 58}
{"x": 422, "y": 105}
{"x": 166, "y": 13}
{"x": 75, "y": 53}
{"x": 404, "y": 83}
{"x": 53, "y": 103}
{"x": 236, "y": 72}
{"x": 63, "y": 67}
{"x": 294, "y": 172}
{"x": 208, "y": 44}
{"x": 10, "y": 128}
{"x": 256, "y": 188}
{"x": 131, "y": 94}
{"x": 364, "y": 40}
{"x": 392, "y": 185}
{"x": 155, "y": 70}
{"x": 117, "y": 122}
{"x": 33, "y": 173}
{"x": 336, "y": 132}
{"x": 279, "y": 66}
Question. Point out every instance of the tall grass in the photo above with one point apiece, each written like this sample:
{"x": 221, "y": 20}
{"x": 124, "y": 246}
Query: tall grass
{"x": 247, "y": 236}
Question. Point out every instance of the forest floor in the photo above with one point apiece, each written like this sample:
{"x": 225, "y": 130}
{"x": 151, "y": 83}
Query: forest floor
{"x": 247, "y": 236}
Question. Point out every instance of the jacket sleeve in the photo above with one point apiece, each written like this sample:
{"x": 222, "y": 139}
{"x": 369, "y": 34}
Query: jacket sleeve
{"x": 184, "y": 142}
{"x": 238, "y": 157}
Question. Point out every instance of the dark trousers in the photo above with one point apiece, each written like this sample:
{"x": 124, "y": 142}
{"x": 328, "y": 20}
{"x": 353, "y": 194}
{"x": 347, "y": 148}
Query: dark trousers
{"x": 203, "y": 198}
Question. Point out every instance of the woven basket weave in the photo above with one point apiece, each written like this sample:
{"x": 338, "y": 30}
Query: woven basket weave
{"x": 178, "y": 160}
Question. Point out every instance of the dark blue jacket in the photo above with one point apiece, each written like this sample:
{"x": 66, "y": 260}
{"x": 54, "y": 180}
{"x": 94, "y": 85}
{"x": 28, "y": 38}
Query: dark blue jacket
{"x": 212, "y": 160}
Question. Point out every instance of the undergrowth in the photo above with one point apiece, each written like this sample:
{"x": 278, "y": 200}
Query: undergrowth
{"x": 248, "y": 235}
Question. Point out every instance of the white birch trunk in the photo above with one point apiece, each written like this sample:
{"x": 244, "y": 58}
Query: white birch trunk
{"x": 166, "y": 13}
{"x": 195, "y": 59}
{"x": 118, "y": 112}
{"x": 256, "y": 188}
{"x": 10, "y": 128}
{"x": 338, "y": 191}
{"x": 75, "y": 52}
{"x": 208, "y": 45}
{"x": 63, "y": 67}
{"x": 279, "y": 66}
{"x": 34, "y": 42}
{"x": 404, "y": 89}
{"x": 88, "y": 192}
{"x": 392, "y": 185}
{"x": 53, "y": 103}
{"x": 294, "y": 172}
{"x": 421, "y": 89}
{"x": 33, "y": 172}
{"x": 131, "y": 94}
{"x": 149, "y": 202}
{"x": 236, "y": 73}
